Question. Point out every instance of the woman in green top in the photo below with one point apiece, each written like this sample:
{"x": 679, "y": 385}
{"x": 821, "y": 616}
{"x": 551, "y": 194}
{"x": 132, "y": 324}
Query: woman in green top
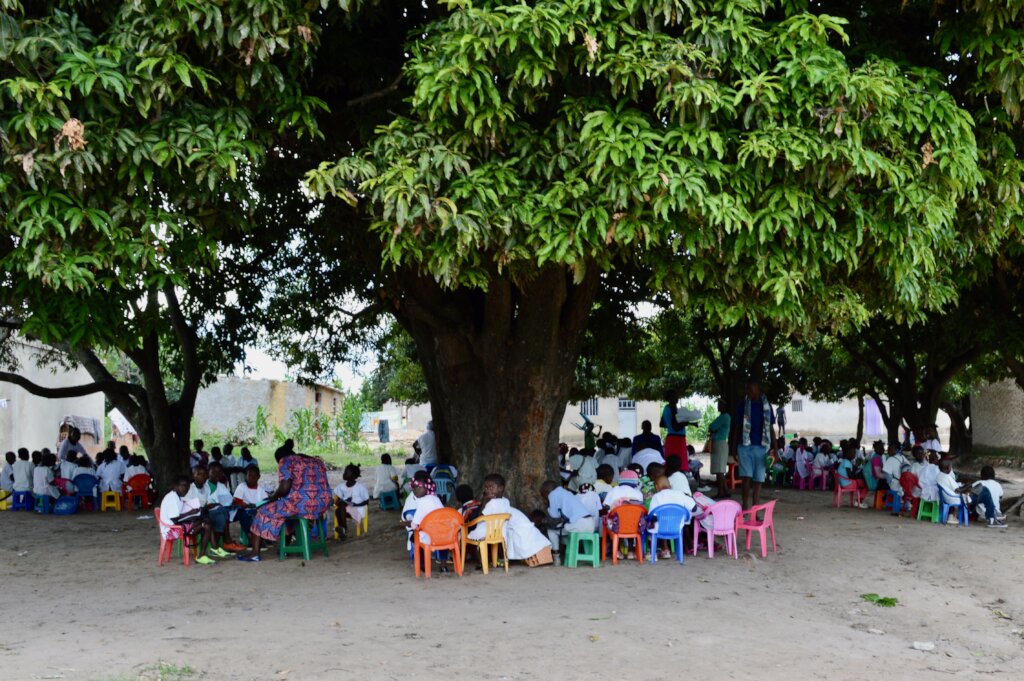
{"x": 718, "y": 431}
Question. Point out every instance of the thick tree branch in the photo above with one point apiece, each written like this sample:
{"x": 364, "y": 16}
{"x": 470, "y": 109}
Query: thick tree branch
{"x": 384, "y": 92}
{"x": 72, "y": 391}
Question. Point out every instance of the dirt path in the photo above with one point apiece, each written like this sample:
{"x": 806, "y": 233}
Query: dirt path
{"x": 83, "y": 598}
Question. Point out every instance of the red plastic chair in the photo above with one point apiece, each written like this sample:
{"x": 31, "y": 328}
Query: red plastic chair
{"x": 850, "y": 489}
{"x": 909, "y": 483}
{"x": 137, "y": 487}
{"x": 629, "y": 516}
{"x": 725, "y": 514}
{"x": 167, "y": 545}
{"x": 747, "y": 520}
{"x": 444, "y": 528}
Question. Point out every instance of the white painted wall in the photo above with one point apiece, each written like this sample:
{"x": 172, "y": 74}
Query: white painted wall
{"x": 33, "y": 422}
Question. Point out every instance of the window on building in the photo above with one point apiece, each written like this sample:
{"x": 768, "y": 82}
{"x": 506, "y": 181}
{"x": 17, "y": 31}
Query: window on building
{"x": 589, "y": 407}
{"x": 797, "y": 405}
{"x": 627, "y": 405}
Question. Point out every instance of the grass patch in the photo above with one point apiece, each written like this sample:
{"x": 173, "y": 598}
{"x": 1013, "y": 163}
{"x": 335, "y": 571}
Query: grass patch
{"x": 161, "y": 671}
{"x": 880, "y": 601}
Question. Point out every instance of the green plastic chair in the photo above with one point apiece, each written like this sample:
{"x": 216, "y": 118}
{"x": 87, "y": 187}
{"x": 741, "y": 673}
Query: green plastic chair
{"x": 303, "y": 544}
{"x": 932, "y": 513}
{"x": 592, "y": 554}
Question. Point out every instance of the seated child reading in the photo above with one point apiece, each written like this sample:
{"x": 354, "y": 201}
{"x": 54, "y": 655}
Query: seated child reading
{"x": 522, "y": 538}
{"x": 352, "y": 499}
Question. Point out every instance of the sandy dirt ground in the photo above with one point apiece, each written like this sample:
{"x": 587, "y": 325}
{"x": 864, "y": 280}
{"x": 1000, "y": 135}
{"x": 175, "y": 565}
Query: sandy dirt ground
{"x": 83, "y": 598}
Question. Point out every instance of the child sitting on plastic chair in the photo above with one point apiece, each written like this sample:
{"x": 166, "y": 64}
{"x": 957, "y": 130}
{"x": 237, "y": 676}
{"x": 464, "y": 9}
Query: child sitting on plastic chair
{"x": 663, "y": 496}
{"x": 988, "y": 493}
{"x": 385, "y": 477}
{"x": 352, "y": 499}
{"x": 247, "y": 498}
{"x": 42, "y": 478}
{"x": 423, "y": 501}
{"x": 177, "y": 509}
{"x": 467, "y": 504}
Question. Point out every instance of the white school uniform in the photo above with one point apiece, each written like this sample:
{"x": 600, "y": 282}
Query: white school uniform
{"x": 672, "y": 496}
{"x": 41, "y": 479}
{"x": 679, "y": 482}
{"x": 67, "y": 469}
{"x": 383, "y": 481}
{"x": 7, "y": 478}
{"x": 645, "y": 457}
{"x": 355, "y": 498}
{"x": 424, "y": 506}
{"x": 22, "y": 471}
{"x": 171, "y": 507}
{"x": 804, "y": 461}
{"x": 602, "y": 487}
{"x": 592, "y": 501}
{"x": 522, "y": 538}
{"x": 949, "y": 485}
{"x": 110, "y": 477}
{"x": 250, "y": 495}
{"x": 820, "y": 463}
{"x": 994, "y": 488}
{"x": 132, "y": 471}
{"x": 586, "y": 473}
{"x": 892, "y": 466}
{"x": 621, "y": 494}
{"x": 927, "y": 480}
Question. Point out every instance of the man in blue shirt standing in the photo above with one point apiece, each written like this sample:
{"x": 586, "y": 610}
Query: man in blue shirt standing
{"x": 755, "y": 419}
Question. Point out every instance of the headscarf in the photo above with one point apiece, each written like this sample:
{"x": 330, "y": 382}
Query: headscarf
{"x": 427, "y": 484}
{"x": 628, "y": 477}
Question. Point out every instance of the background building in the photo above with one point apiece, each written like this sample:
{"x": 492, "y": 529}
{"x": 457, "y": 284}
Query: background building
{"x": 35, "y": 422}
{"x": 232, "y": 402}
{"x": 997, "y": 419}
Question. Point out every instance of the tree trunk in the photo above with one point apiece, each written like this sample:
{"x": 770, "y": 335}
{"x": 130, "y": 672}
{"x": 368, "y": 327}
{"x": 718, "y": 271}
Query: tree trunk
{"x": 961, "y": 440}
{"x": 860, "y": 417}
{"x": 499, "y": 365}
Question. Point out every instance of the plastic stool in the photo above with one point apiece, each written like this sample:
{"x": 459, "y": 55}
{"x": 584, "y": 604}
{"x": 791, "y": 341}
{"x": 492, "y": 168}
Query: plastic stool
{"x": 880, "y": 499}
{"x": 66, "y": 506}
{"x": 894, "y": 501}
{"x": 389, "y": 501}
{"x": 572, "y": 549}
{"x": 303, "y": 545}
{"x": 44, "y": 503}
{"x": 929, "y": 510}
{"x": 5, "y": 503}
{"x": 23, "y": 501}
{"x": 110, "y": 500}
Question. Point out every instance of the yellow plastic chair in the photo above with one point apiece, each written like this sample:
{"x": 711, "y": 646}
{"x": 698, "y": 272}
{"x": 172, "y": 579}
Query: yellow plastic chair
{"x": 110, "y": 500}
{"x": 5, "y": 503}
{"x": 362, "y": 527}
{"x": 494, "y": 537}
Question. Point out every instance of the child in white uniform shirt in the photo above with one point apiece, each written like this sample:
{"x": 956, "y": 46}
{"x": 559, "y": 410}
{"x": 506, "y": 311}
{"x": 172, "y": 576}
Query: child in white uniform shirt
{"x": 627, "y": 491}
{"x": 989, "y": 494}
{"x": 42, "y": 478}
{"x": 22, "y": 471}
{"x": 385, "y": 477}
{"x": 248, "y": 497}
{"x": 7, "y": 474}
{"x": 522, "y": 538}
{"x": 426, "y": 503}
{"x": 179, "y": 516}
{"x": 353, "y": 498}
{"x": 588, "y": 497}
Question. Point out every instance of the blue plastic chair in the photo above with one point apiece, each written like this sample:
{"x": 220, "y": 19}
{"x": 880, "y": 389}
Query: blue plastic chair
{"x": 445, "y": 489}
{"x": 443, "y": 471}
{"x": 944, "y": 502}
{"x": 22, "y": 501}
{"x": 389, "y": 501}
{"x": 44, "y": 503}
{"x": 672, "y": 518}
{"x": 86, "y": 487}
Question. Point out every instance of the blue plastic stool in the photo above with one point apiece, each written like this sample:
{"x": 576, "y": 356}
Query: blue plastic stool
{"x": 44, "y": 503}
{"x": 389, "y": 501}
{"x": 23, "y": 501}
{"x": 66, "y": 506}
{"x": 894, "y": 501}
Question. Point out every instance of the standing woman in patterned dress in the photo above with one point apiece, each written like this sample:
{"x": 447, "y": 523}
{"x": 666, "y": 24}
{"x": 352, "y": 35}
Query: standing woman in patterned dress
{"x": 302, "y": 492}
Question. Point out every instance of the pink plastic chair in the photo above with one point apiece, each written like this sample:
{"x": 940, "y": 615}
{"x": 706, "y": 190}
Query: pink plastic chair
{"x": 850, "y": 489}
{"x": 801, "y": 482}
{"x": 748, "y": 521}
{"x": 725, "y": 514}
{"x": 823, "y": 476}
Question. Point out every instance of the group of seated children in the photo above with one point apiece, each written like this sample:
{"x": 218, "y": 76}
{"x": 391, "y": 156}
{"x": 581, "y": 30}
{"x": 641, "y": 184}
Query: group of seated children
{"x": 234, "y": 465}
{"x": 929, "y": 477}
{"x": 523, "y": 540}
{"x": 658, "y": 484}
{"x": 41, "y": 474}
{"x": 202, "y": 508}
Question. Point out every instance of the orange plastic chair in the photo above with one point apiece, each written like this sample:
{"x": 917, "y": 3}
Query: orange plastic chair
{"x": 747, "y": 520}
{"x": 137, "y": 487}
{"x": 629, "y": 528}
{"x": 730, "y": 475}
{"x": 444, "y": 528}
{"x": 494, "y": 538}
{"x": 166, "y": 545}
{"x": 850, "y": 489}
